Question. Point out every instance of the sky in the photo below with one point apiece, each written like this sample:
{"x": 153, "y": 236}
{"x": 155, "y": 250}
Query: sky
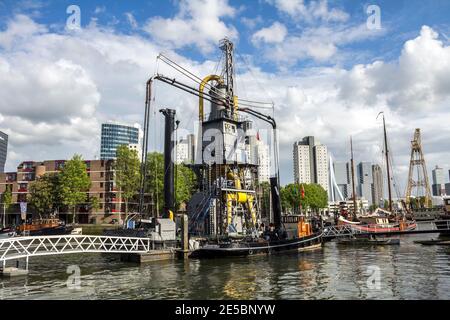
{"x": 328, "y": 66}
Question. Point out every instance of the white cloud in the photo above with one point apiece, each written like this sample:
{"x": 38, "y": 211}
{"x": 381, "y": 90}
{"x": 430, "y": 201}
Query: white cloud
{"x": 101, "y": 9}
{"x": 418, "y": 82}
{"x": 198, "y": 22}
{"x": 251, "y": 23}
{"x": 276, "y": 33}
{"x": 46, "y": 91}
{"x": 56, "y": 89}
{"x": 309, "y": 12}
{"x": 319, "y": 44}
{"x": 334, "y": 103}
{"x": 318, "y": 33}
{"x": 131, "y": 20}
{"x": 53, "y": 119}
{"x": 22, "y": 27}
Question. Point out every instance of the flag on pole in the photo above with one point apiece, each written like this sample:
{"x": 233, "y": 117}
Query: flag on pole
{"x": 257, "y": 136}
{"x": 303, "y": 192}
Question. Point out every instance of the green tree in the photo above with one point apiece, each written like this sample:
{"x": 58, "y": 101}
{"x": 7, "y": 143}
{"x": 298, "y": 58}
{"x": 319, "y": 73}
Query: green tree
{"x": 74, "y": 183}
{"x": 155, "y": 180}
{"x": 44, "y": 195}
{"x": 185, "y": 184}
{"x": 127, "y": 167}
{"x": 315, "y": 197}
{"x": 264, "y": 199}
{"x": 7, "y": 201}
{"x": 94, "y": 204}
{"x": 185, "y": 187}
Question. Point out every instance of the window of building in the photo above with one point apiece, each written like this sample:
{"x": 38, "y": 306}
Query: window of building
{"x": 101, "y": 184}
{"x": 102, "y": 174}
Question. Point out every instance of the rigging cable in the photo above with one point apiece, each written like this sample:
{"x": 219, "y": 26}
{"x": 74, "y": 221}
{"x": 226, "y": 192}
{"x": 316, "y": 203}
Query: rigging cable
{"x": 198, "y": 80}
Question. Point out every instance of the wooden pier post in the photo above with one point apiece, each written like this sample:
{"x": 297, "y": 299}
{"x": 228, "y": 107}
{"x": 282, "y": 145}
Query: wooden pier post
{"x": 184, "y": 252}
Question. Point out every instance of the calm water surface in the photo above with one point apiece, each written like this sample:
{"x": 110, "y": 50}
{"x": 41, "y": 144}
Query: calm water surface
{"x": 408, "y": 271}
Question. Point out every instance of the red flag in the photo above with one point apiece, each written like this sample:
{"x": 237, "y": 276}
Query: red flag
{"x": 303, "y": 192}
{"x": 257, "y": 136}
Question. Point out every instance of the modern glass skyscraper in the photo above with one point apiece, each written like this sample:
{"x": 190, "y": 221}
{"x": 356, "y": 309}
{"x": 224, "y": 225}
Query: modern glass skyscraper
{"x": 438, "y": 182}
{"x": 3, "y": 150}
{"x": 115, "y": 135}
{"x": 365, "y": 179}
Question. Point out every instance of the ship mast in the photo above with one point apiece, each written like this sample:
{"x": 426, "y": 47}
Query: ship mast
{"x": 353, "y": 180}
{"x": 387, "y": 163}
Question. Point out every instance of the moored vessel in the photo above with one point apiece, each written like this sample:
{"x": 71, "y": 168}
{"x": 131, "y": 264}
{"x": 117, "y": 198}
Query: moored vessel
{"x": 377, "y": 223}
{"x": 44, "y": 227}
{"x": 6, "y": 233}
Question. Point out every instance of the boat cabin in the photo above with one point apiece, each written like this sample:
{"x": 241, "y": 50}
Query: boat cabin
{"x": 372, "y": 220}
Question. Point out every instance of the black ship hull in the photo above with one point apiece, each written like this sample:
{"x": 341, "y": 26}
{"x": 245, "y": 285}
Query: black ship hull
{"x": 443, "y": 225}
{"x": 56, "y": 231}
{"x": 245, "y": 249}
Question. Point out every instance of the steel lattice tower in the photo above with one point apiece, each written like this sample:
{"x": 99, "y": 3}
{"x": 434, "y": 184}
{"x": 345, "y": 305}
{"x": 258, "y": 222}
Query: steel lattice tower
{"x": 418, "y": 162}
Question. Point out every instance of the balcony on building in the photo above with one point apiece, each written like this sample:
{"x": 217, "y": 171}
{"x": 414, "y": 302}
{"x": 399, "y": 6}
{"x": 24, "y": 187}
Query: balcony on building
{"x": 23, "y": 187}
{"x": 11, "y": 177}
{"x": 26, "y": 166}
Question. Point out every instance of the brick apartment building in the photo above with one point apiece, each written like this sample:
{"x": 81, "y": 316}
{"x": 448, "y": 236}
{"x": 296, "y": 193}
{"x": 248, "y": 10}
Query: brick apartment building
{"x": 103, "y": 187}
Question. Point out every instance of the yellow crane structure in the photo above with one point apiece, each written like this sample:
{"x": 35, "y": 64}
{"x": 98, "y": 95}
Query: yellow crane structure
{"x": 417, "y": 165}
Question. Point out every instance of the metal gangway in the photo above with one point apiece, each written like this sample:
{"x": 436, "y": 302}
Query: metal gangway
{"x": 422, "y": 227}
{"x": 25, "y": 247}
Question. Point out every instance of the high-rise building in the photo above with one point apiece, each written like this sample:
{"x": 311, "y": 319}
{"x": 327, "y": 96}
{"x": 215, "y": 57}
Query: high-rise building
{"x": 185, "y": 150}
{"x": 378, "y": 185}
{"x": 342, "y": 175}
{"x": 311, "y": 162}
{"x": 182, "y": 154}
{"x": 438, "y": 182}
{"x": 191, "y": 147}
{"x": 302, "y": 164}
{"x": 3, "y": 150}
{"x": 365, "y": 181}
{"x": 368, "y": 181}
{"x": 447, "y": 186}
{"x": 262, "y": 155}
{"x": 115, "y": 135}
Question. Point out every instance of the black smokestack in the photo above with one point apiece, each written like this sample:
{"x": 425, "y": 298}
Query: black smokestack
{"x": 276, "y": 201}
{"x": 169, "y": 167}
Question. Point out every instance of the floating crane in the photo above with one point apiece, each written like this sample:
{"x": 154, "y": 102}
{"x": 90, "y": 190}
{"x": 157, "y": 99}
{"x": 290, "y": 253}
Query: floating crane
{"x": 226, "y": 203}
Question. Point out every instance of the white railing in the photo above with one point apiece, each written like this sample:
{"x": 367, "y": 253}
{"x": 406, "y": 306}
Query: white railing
{"x": 25, "y": 247}
{"x": 340, "y": 231}
{"x": 441, "y": 225}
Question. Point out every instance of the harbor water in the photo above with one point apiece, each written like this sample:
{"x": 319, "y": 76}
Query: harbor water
{"x": 408, "y": 271}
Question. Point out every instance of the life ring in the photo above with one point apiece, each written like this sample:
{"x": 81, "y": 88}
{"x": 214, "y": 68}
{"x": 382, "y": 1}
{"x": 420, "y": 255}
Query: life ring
{"x": 250, "y": 252}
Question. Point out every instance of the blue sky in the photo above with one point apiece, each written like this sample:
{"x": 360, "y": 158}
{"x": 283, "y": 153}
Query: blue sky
{"x": 328, "y": 74}
{"x": 400, "y": 18}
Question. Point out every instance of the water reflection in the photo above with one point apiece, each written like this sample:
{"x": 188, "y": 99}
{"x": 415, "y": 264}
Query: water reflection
{"x": 408, "y": 271}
